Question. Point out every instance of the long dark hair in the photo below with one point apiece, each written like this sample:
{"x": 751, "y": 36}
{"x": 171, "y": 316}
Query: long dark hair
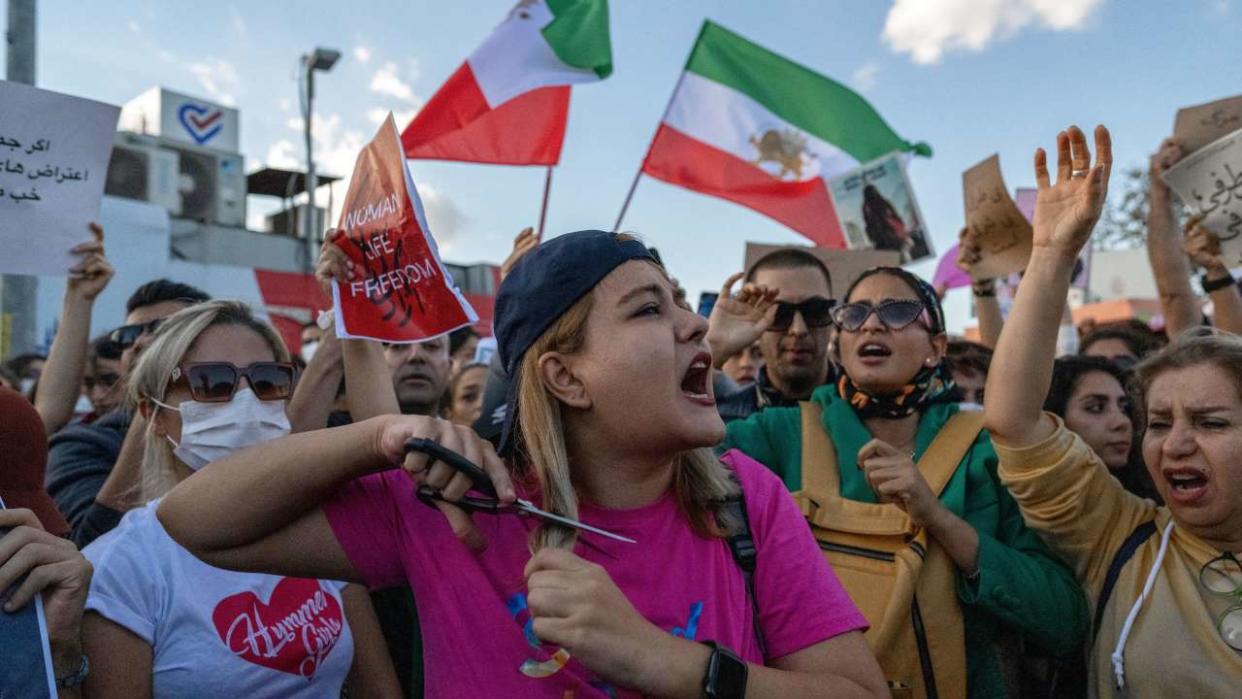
{"x": 1066, "y": 373}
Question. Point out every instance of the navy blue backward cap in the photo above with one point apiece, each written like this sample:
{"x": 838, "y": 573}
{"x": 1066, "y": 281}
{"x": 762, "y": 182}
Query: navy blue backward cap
{"x": 542, "y": 286}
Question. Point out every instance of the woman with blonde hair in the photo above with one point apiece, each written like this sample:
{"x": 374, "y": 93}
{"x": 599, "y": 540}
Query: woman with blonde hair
{"x": 160, "y": 622}
{"x": 609, "y": 423}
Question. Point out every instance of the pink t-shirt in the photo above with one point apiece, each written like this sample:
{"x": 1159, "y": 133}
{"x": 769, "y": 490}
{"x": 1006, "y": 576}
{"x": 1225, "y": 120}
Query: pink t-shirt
{"x": 476, "y": 628}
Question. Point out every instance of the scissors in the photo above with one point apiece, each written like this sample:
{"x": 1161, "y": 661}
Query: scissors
{"x": 489, "y": 503}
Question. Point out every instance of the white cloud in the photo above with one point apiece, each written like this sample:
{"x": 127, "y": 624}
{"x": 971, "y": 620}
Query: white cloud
{"x": 217, "y": 77}
{"x": 283, "y": 154}
{"x": 362, "y": 54}
{"x": 387, "y": 82}
{"x": 864, "y": 77}
{"x": 927, "y": 29}
{"x": 444, "y": 218}
{"x": 133, "y": 27}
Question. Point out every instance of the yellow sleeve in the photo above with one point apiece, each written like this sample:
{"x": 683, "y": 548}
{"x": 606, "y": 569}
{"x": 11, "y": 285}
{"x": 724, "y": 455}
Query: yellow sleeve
{"x": 1067, "y": 494}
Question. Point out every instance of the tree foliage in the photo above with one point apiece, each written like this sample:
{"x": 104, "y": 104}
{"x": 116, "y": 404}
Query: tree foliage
{"x": 1123, "y": 225}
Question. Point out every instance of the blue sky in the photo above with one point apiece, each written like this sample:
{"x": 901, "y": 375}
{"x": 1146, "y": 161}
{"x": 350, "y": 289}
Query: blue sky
{"x": 971, "y": 77}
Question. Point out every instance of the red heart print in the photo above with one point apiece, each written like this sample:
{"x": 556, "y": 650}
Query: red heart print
{"x": 293, "y": 632}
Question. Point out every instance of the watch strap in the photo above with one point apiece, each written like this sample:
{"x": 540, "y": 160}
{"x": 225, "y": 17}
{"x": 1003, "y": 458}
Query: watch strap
{"x": 1210, "y": 285}
{"x": 77, "y": 678}
{"x": 726, "y": 674}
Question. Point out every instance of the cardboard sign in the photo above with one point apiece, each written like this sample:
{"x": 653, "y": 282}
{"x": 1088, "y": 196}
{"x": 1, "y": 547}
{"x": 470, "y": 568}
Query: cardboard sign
{"x": 54, "y": 152}
{"x": 1201, "y": 124}
{"x": 1209, "y": 182}
{"x": 404, "y": 293}
{"x": 877, "y": 210}
{"x": 993, "y": 220}
{"x": 844, "y": 266}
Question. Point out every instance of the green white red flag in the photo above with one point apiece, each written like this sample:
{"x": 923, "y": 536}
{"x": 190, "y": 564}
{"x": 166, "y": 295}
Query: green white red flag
{"x": 508, "y": 103}
{"x": 748, "y": 125}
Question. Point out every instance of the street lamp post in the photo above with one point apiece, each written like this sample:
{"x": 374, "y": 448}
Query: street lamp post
{"x": 320, "y": 59}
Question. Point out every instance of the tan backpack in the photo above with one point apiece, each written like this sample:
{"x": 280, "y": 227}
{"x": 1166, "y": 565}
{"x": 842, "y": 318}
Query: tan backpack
{"x": 904, "y": 584}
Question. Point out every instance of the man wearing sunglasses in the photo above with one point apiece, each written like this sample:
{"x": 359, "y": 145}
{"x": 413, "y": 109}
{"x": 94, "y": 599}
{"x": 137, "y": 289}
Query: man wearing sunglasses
{"x": 785, "y": 305}
{"x": 93, "y": 469}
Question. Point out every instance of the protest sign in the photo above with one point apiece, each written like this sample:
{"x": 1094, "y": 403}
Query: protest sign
{"x": 844, "y": 266}
{"x": 403, "y": 292}
{"x": 1201, "y": 124}
{"x": 994, "y": 223}
{"x": 877, "y": 210}
{"x": 1209, "y": 183}
{"x": 54, "y": 152}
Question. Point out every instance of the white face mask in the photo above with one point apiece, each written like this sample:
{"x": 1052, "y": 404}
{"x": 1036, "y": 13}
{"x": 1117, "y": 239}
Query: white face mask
{"x": 308, "y": 350}
{"x": 212, "y": 431}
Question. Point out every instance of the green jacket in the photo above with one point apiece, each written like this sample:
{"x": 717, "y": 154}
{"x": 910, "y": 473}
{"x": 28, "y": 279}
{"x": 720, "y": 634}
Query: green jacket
{"x": 1020, "y": 585}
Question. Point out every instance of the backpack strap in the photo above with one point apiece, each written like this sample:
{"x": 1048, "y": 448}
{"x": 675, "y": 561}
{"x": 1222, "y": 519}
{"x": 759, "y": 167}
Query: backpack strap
{"x": 742, "y": 546}
{"x": 817, "y": 450}
{"x": 1132, "y": 543}
{"x": 940, "y": 461}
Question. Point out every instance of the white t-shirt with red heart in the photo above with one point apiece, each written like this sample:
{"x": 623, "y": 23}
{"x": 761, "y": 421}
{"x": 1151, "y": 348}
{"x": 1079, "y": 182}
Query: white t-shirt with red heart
{"x": 215, "y": 631}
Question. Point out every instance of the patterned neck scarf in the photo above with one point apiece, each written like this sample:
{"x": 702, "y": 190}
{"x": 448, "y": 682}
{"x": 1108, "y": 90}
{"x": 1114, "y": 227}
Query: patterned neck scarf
{"x": 931, "y": 385}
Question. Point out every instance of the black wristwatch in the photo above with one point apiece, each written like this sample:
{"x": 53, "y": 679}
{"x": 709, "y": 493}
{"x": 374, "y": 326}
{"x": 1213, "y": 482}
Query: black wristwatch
{"x": 984, "y": 289}
{"x": 726, "y": 674}
{"x": 1210, "y": 285}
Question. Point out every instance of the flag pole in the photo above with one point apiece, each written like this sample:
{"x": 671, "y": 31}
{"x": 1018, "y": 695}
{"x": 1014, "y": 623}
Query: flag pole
{"x": 638, "y": 175}
{"x": 633, "y": 186}
{"x": 543, "y": 210}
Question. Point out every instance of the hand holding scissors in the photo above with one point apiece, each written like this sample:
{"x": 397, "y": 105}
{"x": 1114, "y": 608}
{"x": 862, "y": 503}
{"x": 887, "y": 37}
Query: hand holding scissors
{"x": 440, "y": 476}
{"x": 487, "y": 502}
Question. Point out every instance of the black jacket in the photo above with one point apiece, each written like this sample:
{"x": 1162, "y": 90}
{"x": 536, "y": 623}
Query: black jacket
{"x": 79, "y": 459}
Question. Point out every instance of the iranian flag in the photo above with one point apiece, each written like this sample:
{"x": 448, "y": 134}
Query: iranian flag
{"x": 509, "y": 101}
{"x": 750, "y": 126}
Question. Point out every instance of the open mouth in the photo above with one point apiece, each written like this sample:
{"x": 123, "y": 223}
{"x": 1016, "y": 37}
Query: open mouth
{"x": 696, "y": 384}
{"x": 1186, "y": 484}
{"x": 874, "y": 350}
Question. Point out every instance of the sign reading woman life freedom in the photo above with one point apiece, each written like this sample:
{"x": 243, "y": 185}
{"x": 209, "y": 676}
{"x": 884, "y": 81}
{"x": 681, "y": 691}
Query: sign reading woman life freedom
{"x": 403, "y": 293}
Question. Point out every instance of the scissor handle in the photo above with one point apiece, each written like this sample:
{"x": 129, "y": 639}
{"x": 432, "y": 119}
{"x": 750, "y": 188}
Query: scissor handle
{"x": 478, "y": 477}
{"x": 468, "y": 503}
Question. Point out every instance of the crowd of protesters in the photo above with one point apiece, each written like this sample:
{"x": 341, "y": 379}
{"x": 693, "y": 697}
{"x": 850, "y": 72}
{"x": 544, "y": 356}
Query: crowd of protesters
{"x": 814, "y": 491}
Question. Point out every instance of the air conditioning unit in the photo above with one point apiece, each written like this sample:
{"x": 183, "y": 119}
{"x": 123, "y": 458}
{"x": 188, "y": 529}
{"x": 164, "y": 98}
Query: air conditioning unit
{"x": 212, "y": 184}
{"x": 291, "y": 221}
{"x": 140, "y": 169}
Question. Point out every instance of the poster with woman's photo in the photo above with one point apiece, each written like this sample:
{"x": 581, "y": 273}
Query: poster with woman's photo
{"x": 878, "y": 211}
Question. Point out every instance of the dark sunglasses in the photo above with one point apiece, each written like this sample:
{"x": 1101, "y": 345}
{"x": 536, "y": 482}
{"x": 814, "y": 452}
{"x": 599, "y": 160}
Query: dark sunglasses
{"x": 895, "y": 314}
{"x": 216, "y": 382}
{"x": 816, "y": 312}
{"x": 126, "y": 335}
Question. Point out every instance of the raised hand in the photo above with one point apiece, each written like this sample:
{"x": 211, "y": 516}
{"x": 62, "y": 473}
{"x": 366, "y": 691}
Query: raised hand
{"x": 522, "y": 244}
{"x": 968, "y": 251}
{"x": 334, "y": 264}
{"x": 1203, "y": 247}
{"x": 737, "y": 321}
{"x": 1065, "y": 212}
{"x": 1165, "y": 157}
{"x": 89, "y": 277}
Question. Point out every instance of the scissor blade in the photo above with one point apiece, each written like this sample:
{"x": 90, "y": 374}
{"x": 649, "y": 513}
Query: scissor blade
{"x": 529, "y": 508}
